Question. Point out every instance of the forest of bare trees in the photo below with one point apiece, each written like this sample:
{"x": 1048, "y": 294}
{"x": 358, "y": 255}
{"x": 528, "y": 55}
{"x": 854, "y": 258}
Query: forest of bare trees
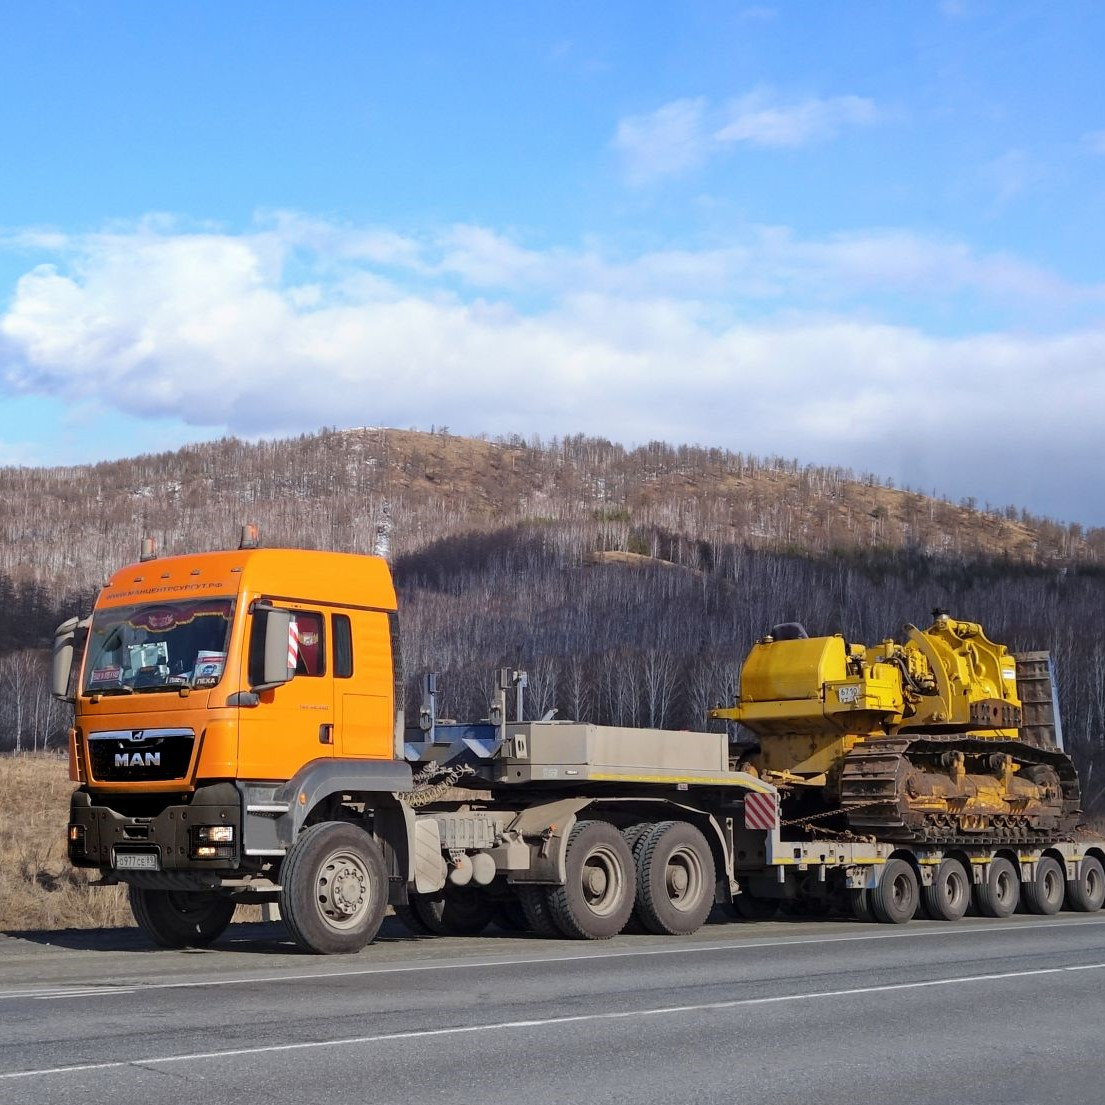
{"x": 629, "y": 584}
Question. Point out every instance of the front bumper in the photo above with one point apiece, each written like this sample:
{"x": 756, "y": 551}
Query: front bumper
{"x": 99, "y": 835}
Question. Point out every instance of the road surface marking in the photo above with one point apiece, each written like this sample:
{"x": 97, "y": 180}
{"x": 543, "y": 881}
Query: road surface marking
{"x": 957, "y": 929}
{"x": 545, "y": 1022}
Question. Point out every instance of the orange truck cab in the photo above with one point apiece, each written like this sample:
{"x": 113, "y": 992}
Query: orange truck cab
{"x": 222, "y": 703}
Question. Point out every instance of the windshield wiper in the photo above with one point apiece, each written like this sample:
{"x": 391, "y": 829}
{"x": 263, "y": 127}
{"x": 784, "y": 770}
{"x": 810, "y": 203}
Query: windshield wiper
{"x": 119, "y": 688}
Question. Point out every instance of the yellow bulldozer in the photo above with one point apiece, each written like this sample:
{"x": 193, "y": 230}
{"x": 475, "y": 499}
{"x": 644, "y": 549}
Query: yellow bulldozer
{"x": 945, "y": 737}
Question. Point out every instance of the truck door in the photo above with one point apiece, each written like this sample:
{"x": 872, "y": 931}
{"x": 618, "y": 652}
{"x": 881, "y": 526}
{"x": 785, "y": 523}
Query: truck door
{"x": 294, "y": 723}
{"x": 364, "y": 684}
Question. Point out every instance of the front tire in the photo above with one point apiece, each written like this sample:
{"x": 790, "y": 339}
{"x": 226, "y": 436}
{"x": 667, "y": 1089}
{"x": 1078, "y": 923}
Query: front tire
{"x": 333, "y": 891}
{"x": 180, "y": 919}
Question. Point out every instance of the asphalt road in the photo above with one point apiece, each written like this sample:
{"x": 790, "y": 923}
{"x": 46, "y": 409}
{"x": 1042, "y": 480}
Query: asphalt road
{"x": 813, "y": 1012}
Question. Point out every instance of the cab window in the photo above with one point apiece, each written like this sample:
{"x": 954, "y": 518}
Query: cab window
{"x": 310, "y": 648}
{"x": 343, "y": 646}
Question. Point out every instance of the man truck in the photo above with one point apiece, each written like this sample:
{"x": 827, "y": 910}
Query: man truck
{"x": 239, "y": 736}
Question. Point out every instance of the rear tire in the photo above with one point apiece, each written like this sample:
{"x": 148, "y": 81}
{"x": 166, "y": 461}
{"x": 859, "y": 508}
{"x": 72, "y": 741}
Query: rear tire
{"x": 180, "y": 919}
{"x": 539, "y": 916}
{"x": 1087, "y": 892}
{"x": 998, "y": 895}
{"x": 635, "y": 837}
{"x": 510, "y": 916}
{"x": 333, "y": 892}
{"x": 600, "y": 885}
{"x": 675, "y": 879}
{"x": 894, "y": 901}
{"x": 949, "y": 895}
{"x": 1044, "y": 894}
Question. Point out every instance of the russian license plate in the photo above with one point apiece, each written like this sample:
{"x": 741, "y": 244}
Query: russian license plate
{"x": 137, "y": 861}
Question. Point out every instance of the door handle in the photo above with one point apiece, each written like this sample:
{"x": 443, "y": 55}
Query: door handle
{"x": 325, "y": 734}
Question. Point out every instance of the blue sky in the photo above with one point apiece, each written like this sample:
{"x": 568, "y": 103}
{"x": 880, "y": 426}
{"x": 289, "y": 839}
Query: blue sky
{"x": 860, "y": 234}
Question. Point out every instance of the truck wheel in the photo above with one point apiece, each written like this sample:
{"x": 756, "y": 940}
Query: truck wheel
{"x": 597, "y": 898}
{"x": 635, "y": 837}
{"x": 1044, "y": 894}
{"x": 1087, "y": 892}
{"x": 539, "y": 917}
{"x": 180, "y": 919}
{"x": 947, "y": 898}
{"x": 997, "y": 896}
{"x": 333, "y": 891}
{"x": 675, "y": 879}
{"x": 894, "y": 900}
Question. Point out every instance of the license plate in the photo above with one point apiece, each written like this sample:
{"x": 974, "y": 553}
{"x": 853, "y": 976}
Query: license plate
{"x": 137, "y": 861}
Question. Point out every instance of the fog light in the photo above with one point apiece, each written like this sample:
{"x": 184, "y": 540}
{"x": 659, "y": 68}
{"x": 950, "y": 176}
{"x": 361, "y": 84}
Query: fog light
{"x": 77, "y": 847}
{"x": 76, "y": 833}
{"x": 206, "y": 851}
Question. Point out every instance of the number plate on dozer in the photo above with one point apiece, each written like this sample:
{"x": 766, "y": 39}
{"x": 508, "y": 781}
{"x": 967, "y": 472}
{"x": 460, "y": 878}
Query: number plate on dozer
{"x": 137, "y": 861}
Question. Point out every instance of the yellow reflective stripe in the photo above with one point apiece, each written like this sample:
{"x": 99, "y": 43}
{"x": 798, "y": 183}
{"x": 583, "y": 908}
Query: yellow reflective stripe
{"x": 707, "y": 780}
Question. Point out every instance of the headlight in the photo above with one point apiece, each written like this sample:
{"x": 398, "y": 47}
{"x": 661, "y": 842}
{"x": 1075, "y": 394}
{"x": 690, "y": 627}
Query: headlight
{"x": 216, "y": 834}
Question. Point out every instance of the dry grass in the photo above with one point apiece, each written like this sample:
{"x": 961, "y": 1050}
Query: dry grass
{"x": 38, "y": 888}
{"x": 39, "y": 891}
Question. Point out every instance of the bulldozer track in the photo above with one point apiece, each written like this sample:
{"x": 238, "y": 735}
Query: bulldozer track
{"x": 873, "y": 795}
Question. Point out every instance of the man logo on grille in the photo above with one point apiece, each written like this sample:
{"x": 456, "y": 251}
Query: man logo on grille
{"x": 137, "y": 759}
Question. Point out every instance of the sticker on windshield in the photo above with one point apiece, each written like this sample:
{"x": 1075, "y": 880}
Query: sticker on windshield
{"x": 209, "y": 665}
{"x": 106, "y": 675}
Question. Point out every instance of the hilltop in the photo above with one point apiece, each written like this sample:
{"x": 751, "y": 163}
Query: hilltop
{"x": 64, "y": 528}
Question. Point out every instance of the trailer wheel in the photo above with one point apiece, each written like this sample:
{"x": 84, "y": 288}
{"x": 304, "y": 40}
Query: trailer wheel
{"x": 635, "y": 837}
{"x": 675, "y": 879}
{"x": 894, "y": 900}
{"x": 1044, "y": 894}
{"x": 333, "y": 890}
{"x": 1087, "y": 892}
{"x": 539, "y": 917}
{"x": 180, "y": 919}
{"x": 998, "y": 895}
{"x": 859, "y": 901}
{"x": 949, "y": 895}
{"x": 597, "y": 897}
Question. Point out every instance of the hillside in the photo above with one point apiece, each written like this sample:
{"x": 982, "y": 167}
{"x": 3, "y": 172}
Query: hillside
{"x": 66, "y": 527}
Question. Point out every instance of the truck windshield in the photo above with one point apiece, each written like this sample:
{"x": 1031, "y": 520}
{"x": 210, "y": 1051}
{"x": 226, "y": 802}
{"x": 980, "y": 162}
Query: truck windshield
{"x": 156, "y": 647}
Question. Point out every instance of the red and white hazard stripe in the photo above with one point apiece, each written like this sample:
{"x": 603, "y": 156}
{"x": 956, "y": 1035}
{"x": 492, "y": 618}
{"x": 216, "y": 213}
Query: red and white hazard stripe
{"x": 760, "y": 811}
{"x": 293, "y": 645}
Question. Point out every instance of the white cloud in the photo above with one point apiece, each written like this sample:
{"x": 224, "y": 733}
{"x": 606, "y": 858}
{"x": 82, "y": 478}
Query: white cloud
{"x": 665, "y": 142}
{"x": 682, "y": 135}
{"x": 761, "y": 120}
{"x": 745, "y": 345}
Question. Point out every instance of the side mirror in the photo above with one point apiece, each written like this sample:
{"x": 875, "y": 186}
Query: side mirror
{"x": 65, "y": 647}
{"x": 276, "y": 670}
